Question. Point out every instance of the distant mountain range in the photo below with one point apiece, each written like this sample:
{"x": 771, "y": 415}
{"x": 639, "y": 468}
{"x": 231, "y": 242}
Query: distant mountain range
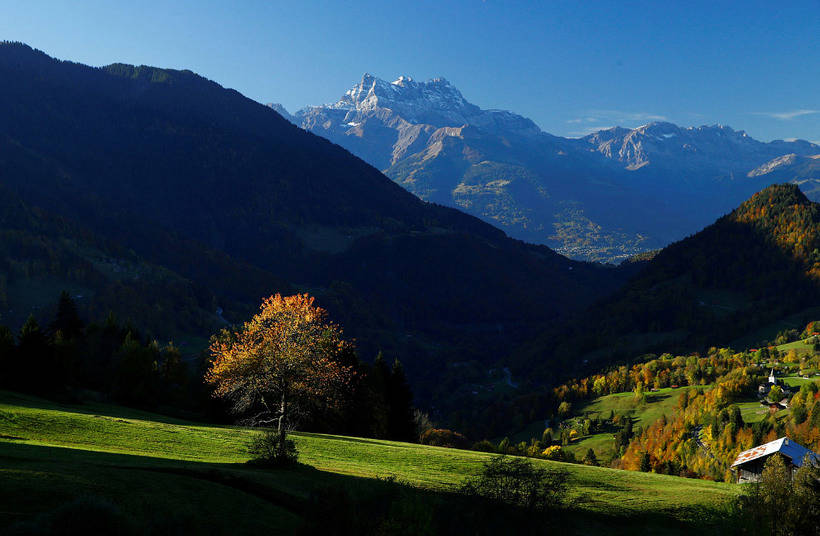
{"x": 605, "y": 196}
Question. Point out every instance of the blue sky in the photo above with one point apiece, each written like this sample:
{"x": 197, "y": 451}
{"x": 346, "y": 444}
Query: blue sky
{"x": 570, "y": 66}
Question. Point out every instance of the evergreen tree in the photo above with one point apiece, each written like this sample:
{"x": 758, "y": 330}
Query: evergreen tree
{"x": 33, "y": 371}
{"x": 402, "y": 426}
{"x": 645, "y": 462}
{"x": 590, "y": 458}
{"x": 136, "y": 376}
{"x": 68, "y": 332}
{"x": 378, "y": 381}
{"x": 102, "y": 343}
{"x": 67, "y": 320}
{"x": 7, "y": 357}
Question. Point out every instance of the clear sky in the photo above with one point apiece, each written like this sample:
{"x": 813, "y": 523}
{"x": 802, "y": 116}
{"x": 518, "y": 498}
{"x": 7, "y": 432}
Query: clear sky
{"x": 570, "y": 66}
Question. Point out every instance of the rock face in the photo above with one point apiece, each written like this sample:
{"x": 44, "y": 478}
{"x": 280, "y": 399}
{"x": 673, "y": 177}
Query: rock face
{"x": 278, "y": 108}
{"x": 606, "y": 196}
{"x": 715, "y": 151}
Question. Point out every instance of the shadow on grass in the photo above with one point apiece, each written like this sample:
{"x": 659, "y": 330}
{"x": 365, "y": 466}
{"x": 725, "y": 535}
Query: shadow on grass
{"x": 95, "y": 409}
{"x": 380, "y": 442}
{"x": 307, "y": 493}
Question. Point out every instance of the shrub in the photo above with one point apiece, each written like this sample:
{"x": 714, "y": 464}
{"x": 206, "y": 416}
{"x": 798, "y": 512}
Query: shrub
{"x": 553, "y": 453}
{"x": 269, "y": 450}
{"x": 517, "y": 482}
{"x": 440, "y": 437}
{"x": 484, "y": 446}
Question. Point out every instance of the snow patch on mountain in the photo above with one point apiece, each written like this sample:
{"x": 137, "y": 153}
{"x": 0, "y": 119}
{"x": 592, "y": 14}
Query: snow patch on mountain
{"x": 771, "y": 165}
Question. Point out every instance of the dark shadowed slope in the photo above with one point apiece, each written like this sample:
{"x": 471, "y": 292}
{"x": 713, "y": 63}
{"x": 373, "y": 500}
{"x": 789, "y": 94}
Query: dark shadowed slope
{"x": 195, "y": 177}
{"x": 751, "y": 267}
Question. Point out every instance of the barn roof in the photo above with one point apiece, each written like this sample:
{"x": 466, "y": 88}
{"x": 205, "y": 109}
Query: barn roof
{"x": 785, "y": 446}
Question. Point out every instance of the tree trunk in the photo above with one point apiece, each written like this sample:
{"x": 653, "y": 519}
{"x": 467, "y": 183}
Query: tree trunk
{"x": 281, "y": 425}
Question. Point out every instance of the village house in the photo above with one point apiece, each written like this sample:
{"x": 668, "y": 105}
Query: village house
{"x": 764, "y": 390}
{"x": 749, "y": 464}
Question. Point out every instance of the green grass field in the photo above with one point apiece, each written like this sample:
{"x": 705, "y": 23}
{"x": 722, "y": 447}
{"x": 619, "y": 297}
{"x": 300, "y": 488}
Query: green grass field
{"x": 801, "y": 347}
{"x": 661, "y": 402}
{"x": 51, "y": 453}
{"x": 753, "y": 411}
{"x": 643, "y": 414}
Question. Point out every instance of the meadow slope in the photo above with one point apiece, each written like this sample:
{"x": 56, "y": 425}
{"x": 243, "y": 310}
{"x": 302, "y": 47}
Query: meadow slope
{"x": 51, "y": 453}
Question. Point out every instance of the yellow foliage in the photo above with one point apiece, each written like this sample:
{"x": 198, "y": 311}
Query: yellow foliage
{"x": 552, "y": 453}
{"x": 287, "y": 351}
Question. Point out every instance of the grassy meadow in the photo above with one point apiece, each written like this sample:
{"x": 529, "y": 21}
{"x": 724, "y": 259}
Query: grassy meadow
{"x": 657, "y": 403}
{"x": 185, "y": 471}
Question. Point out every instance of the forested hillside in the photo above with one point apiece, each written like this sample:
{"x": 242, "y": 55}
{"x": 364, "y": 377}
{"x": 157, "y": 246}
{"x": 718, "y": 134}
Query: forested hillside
{"x": 42, "y": 255}
{"x": 225, "y": 193}
{"x": 752, "y": 267}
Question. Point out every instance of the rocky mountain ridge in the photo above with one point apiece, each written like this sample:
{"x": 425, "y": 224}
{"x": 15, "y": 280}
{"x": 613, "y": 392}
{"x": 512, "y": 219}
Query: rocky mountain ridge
{"x": 605, "y": 196}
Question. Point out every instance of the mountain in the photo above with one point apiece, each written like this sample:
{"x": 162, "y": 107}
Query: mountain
{"x": 712, "y": 152}
{"x": 605, "y": 196}
{"x": 278, "y": 108}
{"x": 227, "y": 194}
{"x": 801, "y": 170}
{"x": 747, "y": 271}
{"x": 41, "y": 255}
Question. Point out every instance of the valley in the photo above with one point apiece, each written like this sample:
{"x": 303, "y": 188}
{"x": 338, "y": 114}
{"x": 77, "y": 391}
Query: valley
{"x": 554, "y": 293}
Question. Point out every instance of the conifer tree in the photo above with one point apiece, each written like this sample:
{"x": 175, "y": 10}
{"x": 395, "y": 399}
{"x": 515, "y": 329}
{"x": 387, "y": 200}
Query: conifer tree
{"x": 7, "y": 357}
{"x": 67, "y": 320}
{"x": 645, "y": 462}
{"x": 590, "y": 458}
{"x": 402, "y": 426}
{"x": 378, "y": 380}
{"x": 33, "y": 371}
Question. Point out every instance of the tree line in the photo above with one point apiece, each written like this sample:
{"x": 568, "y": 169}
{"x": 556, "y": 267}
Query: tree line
{"x": 71, "y": 360}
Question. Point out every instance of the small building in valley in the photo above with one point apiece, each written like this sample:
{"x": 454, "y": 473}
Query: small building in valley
{"x": 749, "y": 464}
{"x": 772, "y": 379}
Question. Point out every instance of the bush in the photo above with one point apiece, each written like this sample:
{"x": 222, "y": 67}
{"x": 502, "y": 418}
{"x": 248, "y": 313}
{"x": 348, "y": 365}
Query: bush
{"x": 439, "y": 437}
{"x": 484, "y": 446}
{"x": 553, "y": 452}
{"x": 517, "y": 482}
{"x": 269, "y": 450}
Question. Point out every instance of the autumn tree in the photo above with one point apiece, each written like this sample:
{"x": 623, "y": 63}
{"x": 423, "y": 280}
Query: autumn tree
{"x": 277, "y": 362}
{"x": 783, "y": 504}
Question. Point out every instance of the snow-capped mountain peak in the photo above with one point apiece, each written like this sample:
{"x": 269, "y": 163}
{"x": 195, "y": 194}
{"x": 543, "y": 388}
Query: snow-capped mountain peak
{"x": 435, "y": 101}
{"x": 403, "y": 80}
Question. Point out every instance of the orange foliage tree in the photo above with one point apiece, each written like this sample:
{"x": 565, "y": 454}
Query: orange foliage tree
{"x": 283, "y": 360}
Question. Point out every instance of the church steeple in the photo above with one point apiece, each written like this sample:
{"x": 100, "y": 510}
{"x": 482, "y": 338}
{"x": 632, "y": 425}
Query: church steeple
{"x": 772, "y": 379}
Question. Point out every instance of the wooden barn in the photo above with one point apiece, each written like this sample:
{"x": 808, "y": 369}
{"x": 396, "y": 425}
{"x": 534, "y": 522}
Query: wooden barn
{"x": 749, "y": 464}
